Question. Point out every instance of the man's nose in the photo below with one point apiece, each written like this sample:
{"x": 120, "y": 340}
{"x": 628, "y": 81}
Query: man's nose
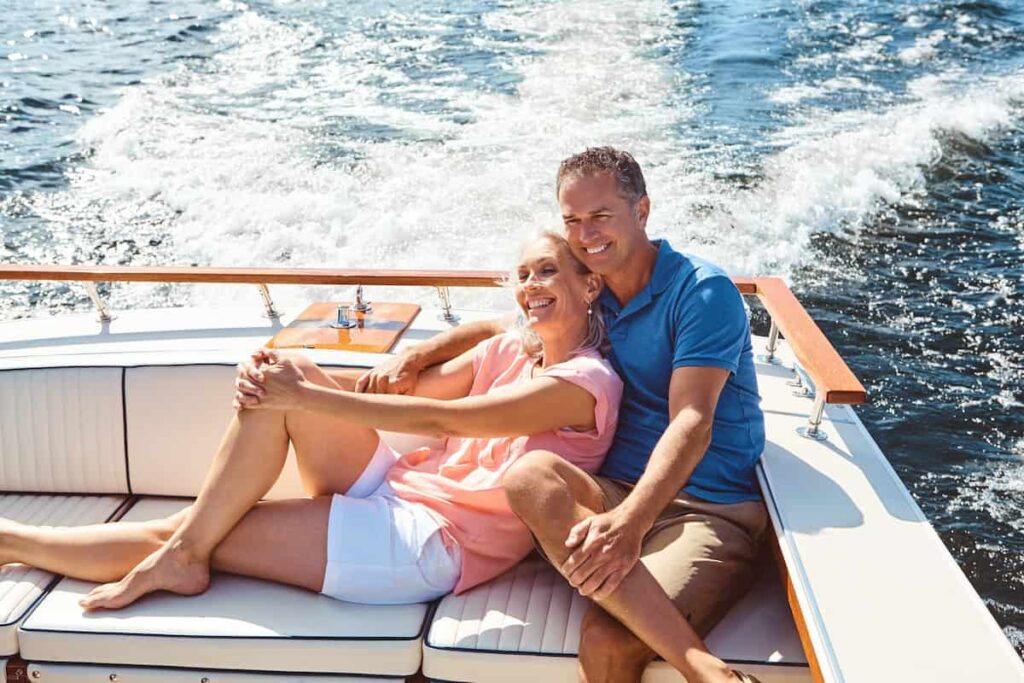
{"x": 588, "y": 230}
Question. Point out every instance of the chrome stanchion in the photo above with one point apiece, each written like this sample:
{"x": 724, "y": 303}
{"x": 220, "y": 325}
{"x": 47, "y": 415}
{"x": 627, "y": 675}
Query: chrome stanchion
{"x": 268, "y": 303}
{"x": 446, "y": 306}
{"x": 101, "y": 306}
{"x": 813, "y": 428}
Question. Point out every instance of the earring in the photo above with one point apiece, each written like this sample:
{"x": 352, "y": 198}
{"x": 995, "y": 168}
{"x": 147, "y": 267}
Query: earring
{"x": 590, "y": 309}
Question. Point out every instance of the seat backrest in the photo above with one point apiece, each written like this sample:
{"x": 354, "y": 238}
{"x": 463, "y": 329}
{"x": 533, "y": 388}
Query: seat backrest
{"x": 62, "y": 430}
{"x": 149, "y": 430}
{"x": 176, "y": 417}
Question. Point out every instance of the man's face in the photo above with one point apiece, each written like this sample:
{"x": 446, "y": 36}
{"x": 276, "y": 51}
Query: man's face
{"x": 604, "y": 231}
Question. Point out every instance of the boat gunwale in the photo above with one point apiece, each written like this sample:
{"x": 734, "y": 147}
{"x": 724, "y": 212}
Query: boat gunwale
{"x": 833, "y": 380}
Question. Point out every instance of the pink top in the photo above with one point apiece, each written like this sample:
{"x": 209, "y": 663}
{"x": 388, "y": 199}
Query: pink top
{"x": 461, "y": 484}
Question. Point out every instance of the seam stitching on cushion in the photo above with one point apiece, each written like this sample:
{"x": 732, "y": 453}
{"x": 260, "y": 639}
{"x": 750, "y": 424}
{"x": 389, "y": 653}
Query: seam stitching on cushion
{"x": 124, "y": 430}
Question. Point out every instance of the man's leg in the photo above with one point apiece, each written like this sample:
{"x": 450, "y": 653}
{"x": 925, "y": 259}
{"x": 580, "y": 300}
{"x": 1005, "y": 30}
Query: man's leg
{"x": 550, "y": 495}
{"x": 704, "y": 559}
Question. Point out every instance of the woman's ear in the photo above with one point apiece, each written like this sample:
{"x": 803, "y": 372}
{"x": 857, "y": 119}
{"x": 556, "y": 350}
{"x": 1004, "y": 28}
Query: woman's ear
{"x": 594, "y": 285}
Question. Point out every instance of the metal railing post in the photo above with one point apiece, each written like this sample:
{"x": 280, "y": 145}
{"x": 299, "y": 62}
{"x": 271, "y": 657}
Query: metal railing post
{"x": 773, "y": 343}
{"x": 813, "y": 428}
{"x": 101, "y": 306}
{"x": 446, "y": 306}
{"x": 268, "y": 303}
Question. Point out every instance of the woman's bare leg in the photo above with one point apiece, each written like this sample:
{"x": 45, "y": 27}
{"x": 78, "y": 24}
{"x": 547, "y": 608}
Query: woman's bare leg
{"x": 248, "y": 462}
{"x": 96, "y": 552}
{"x": 296, "y": 529}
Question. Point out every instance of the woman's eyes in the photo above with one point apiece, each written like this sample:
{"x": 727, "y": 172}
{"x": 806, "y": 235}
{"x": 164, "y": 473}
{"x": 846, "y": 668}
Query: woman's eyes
{"x": 544, "y": 270}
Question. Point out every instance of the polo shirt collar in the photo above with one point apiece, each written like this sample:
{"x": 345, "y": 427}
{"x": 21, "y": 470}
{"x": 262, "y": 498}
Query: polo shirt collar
{"x": 664, "y": 272}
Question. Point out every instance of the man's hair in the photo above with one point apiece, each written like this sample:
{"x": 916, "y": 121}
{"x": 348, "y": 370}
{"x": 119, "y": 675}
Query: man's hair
{"x": 594, "y": 160}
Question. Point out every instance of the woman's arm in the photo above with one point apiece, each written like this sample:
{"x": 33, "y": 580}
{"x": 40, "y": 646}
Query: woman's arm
{"x": 401, "y": 373}
{"x": 448, "y": 380}
{"x": 540, "y": 405}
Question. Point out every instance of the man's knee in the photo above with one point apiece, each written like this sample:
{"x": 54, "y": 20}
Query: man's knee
{"x": 535, "y": 474}
{"x": 607, "y": 647}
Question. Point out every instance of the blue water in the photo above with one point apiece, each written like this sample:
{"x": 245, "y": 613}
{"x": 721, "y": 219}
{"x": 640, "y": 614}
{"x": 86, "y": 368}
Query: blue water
{"x": 871, "y": 152}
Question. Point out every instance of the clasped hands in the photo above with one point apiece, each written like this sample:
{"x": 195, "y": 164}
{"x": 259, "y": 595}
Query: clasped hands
{"x": 269, "y": 381}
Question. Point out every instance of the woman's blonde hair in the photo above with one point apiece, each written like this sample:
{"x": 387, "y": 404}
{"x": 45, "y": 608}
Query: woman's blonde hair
{"x": 596, "y": 338}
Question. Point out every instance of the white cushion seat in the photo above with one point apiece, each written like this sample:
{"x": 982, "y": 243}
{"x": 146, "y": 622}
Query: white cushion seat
{"x": 525, "y": 625}
{"x": 21, "y": 586}
{"x": 238, "y": 624}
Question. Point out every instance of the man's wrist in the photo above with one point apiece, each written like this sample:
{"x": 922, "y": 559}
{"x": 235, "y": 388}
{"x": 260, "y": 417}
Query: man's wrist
{"x": 637, "y": 514}
{"x": 414, "y": 357}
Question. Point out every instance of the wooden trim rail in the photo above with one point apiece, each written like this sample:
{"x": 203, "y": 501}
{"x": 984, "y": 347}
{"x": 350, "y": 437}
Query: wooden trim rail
{"x": 832, "y": 378}
{"x": 256, "y": 276}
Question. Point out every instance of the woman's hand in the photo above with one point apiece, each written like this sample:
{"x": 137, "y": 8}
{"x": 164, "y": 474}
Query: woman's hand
{"x": 249, "y": 380}
{"x": 283, "y": 383}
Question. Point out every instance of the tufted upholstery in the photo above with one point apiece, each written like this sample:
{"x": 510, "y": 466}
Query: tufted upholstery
{"x": 532, "y": 613}
{"x": 62, "y": 430}
{"x": 21, "y": 586}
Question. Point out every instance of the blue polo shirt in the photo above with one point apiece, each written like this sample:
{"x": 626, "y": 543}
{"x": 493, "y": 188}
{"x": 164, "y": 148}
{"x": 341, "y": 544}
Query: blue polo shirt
{"x": 689, "y": 314}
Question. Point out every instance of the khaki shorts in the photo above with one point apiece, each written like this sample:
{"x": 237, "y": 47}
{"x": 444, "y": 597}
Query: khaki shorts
{"x": 705, "y": 555}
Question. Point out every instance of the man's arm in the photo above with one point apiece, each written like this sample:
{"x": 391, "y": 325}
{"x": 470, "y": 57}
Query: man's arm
{"x": 608, "y": 545}
{"x": 399, "y": 374}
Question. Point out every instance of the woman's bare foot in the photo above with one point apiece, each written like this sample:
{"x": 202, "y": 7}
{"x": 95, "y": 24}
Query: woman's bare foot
{"x": 170, "y": 568}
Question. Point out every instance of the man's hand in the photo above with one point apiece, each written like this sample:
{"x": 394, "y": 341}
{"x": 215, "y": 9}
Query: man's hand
{"x": 605, "y": 549}
{"x": 397, "y": 375}
{"x": 249, "y": 378}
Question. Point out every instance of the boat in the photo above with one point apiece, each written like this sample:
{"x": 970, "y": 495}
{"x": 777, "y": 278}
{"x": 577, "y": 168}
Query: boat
{"x": 115, "y": 416}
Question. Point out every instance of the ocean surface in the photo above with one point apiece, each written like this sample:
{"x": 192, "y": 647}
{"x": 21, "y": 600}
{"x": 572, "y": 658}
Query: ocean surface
{"x": 870, "y": 152}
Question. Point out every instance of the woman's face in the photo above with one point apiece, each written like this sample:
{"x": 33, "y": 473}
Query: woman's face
{"x": 552, "y": 295}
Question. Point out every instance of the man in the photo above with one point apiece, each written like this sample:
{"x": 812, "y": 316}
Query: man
{"x": 677, "y": 489}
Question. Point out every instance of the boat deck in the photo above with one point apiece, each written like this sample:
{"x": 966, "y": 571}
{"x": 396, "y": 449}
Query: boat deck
{"x": 874, "y": 594}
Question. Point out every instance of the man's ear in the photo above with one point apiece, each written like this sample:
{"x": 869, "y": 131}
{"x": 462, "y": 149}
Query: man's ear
{"x": 643, "y": 210}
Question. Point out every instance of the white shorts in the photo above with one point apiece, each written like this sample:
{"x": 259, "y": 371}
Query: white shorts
{"x": 383, "y": 550}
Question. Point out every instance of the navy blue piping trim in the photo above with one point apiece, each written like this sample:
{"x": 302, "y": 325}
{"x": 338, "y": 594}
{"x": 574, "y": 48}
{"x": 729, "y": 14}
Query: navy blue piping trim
{"x": 124, "y": 430}
{"x": 312, "y": 674}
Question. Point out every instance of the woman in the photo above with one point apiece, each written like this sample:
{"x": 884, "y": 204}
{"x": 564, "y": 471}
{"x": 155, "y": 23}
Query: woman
{"x": 379, "y": 528}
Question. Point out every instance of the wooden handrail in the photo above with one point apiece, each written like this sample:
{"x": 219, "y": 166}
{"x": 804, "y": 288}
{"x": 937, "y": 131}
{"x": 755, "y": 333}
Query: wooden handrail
{"x": 832, "y": 378}
{"x": 256, "y": 276}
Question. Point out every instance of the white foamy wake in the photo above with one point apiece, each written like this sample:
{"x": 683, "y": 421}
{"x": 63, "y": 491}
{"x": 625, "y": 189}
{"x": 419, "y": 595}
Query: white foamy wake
{"x": 238, "y": 177}
{"x": 257, "y": 158}
{"x": 838, "y": 170}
